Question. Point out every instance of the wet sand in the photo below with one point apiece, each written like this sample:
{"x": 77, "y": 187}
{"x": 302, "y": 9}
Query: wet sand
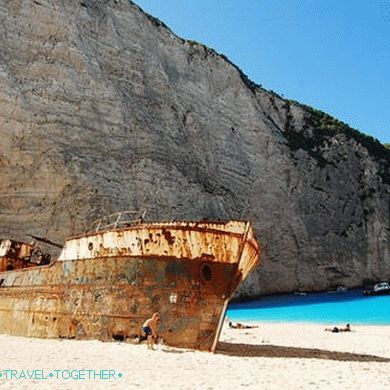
{"x": 299, "y": 356}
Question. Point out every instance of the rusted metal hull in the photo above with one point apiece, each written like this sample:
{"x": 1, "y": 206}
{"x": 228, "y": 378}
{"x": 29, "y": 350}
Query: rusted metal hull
{"x": 103, "y": 287}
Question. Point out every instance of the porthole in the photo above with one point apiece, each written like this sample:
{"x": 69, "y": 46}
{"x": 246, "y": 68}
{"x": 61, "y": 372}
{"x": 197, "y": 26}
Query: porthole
{"x": 206, "y": 273}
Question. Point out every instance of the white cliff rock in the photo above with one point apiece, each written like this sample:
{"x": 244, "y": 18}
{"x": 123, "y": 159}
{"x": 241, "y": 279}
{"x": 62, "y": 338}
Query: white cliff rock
{"x": 103, "y": 108}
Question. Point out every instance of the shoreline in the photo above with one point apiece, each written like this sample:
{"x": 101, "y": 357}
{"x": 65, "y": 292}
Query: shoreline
{"x": 293, "y": 322}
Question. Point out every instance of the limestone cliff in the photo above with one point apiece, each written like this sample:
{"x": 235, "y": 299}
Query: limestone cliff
{"x": 103, "y": 108}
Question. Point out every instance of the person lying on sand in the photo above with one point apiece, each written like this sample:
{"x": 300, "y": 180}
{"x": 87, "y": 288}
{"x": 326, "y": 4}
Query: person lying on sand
{"x": 240, "y": 326}
{"x": 337, "y": 330}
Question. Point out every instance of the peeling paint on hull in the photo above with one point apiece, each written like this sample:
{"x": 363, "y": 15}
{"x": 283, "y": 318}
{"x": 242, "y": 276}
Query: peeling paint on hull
{"x": 104, "y": 285}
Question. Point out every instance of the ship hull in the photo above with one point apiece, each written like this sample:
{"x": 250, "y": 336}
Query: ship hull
{"x": 112, "y": 297}
{"x": 108, "y": 297}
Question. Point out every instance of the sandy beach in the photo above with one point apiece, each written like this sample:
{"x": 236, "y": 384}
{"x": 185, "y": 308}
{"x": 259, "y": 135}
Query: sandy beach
{"x": 299, "y": 356}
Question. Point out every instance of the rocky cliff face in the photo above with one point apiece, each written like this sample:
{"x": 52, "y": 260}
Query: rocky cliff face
{"x": 103, "y": 108}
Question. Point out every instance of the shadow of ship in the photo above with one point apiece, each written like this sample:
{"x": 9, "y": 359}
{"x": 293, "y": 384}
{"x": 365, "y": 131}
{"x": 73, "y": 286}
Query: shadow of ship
{"x": 276, "y": 351}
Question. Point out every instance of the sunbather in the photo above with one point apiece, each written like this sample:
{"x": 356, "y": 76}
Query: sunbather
{"x": 337, "y": 329}
{"x": 241, "y": 326}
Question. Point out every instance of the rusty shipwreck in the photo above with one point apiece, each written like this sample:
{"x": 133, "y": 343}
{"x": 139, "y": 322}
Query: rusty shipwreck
{"x": 106, "y": 282}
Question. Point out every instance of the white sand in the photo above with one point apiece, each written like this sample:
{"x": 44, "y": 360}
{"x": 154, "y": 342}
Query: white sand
{"x": 180, "y": 369}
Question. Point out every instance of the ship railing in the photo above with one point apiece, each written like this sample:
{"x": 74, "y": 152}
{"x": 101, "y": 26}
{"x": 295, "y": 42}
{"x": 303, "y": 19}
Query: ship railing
{"x": 118, "y": 220}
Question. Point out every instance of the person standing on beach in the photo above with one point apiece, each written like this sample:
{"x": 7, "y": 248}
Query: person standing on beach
{"x": 150, "y": 328}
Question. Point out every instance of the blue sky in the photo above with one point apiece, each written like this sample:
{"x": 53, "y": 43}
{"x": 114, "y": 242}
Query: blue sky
{"x": 333, "y": 55}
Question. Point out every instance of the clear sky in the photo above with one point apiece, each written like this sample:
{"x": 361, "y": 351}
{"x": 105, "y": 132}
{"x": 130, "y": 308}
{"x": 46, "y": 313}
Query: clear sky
{"x": 333, "y": 55}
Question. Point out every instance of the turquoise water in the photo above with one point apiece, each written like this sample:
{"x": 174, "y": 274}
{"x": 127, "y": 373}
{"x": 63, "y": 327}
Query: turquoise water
{"x": 328, "y": 308}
